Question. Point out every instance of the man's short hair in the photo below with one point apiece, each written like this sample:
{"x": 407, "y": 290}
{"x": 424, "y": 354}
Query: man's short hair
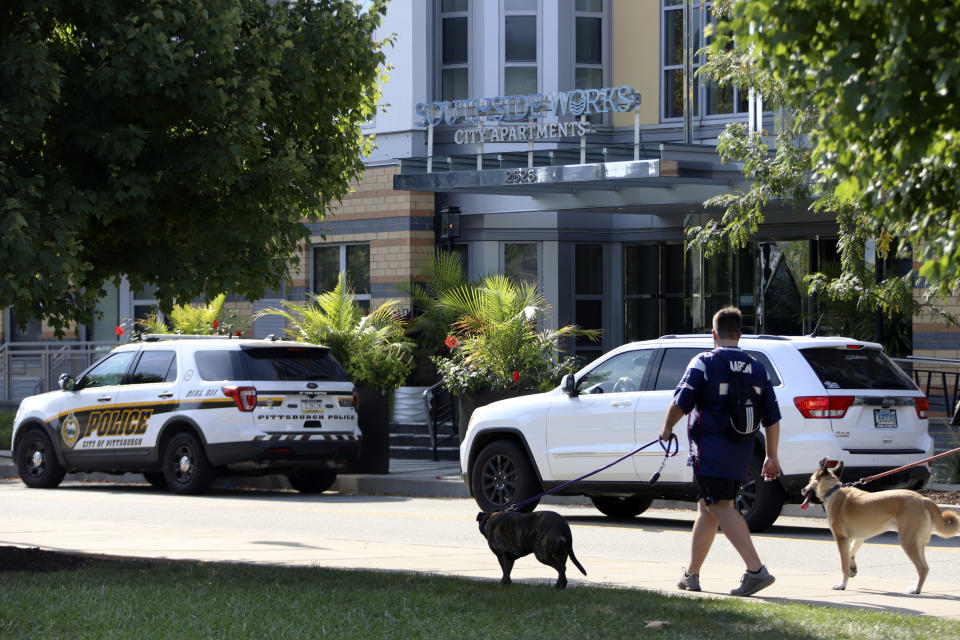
{"x": 727, "y": 322}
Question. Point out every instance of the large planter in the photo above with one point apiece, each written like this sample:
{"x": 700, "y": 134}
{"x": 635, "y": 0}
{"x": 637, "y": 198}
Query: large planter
{"x": 373, "y": 417}
{"x": 467, "y": 404}
{"x": 408, "y": 406}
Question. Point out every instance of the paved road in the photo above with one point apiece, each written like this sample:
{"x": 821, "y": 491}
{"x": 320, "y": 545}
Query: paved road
{"x": 433, "y": 535}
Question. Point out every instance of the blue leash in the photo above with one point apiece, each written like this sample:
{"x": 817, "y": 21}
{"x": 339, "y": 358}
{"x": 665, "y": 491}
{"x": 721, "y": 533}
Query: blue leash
{"x": 673, "y": 444}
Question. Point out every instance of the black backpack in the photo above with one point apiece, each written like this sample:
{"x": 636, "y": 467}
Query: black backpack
{"x": 743, "y": 407}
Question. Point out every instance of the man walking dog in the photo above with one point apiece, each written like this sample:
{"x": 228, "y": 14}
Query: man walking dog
{"x": 719, "y": 384}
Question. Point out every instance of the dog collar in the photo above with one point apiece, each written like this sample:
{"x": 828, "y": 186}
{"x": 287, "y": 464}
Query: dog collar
{"x": 831, "y": 492}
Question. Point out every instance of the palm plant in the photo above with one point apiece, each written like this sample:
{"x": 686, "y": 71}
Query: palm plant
{"x": 441, "y": 272}
{"x": 190, "y": 319}
{"x": 373, "y": 349}
{"x": 495, "y": 343}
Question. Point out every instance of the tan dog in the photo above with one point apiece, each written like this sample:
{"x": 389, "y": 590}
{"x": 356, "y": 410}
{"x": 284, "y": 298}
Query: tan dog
{"x": 855, "y": 515}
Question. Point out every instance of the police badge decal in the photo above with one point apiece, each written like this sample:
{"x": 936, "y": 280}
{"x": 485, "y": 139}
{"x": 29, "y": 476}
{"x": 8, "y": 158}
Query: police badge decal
{"x": 70, "y": 430}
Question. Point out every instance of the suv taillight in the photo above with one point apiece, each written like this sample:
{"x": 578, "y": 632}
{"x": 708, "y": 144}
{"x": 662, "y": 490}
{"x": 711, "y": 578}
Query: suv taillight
{"x": 245, "y": 397}
{"x": 356, "y": 400}
{"x": 922, "y": 405}
{"x": 823, "y": 406}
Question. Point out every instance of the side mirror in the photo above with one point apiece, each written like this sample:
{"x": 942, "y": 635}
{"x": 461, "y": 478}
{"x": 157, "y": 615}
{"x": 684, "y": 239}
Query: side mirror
{"x": 569, "y": 385}
{"x": 66, "y": 382}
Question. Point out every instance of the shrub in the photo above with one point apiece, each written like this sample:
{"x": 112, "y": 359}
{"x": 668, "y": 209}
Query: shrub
{"x": 373, "y": 349}
{"x": 495, "y": 344}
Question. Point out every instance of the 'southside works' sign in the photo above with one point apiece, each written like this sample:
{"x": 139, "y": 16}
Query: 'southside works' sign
{"x": 503, "y": 110}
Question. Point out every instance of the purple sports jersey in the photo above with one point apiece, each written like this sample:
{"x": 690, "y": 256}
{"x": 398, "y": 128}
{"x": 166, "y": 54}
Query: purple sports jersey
{"x": 704, "y": 387}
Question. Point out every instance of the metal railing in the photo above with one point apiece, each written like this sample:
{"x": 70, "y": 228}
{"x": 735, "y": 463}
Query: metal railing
{"x": 29, "y": 368}
{"x": 441, "y": 408}
{"x": 939, "y": 379}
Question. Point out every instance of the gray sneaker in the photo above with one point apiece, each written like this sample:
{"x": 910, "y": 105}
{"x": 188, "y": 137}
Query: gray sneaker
{"x": 689, "y": 581}
{"x": 750, "y": 583}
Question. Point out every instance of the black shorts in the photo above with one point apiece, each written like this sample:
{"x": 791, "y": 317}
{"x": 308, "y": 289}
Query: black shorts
{"x": 712, "y": 490}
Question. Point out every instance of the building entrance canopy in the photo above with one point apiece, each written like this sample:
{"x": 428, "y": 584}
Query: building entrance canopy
{"x": 580, "y": 178}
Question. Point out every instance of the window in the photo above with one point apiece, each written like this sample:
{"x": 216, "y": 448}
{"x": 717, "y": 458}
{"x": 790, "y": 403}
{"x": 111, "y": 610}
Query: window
{"x": 32, "y": 332}
{"x": 588, "y": 295}
{"x": 653, "y": 295}
{"x": 354, "y": 259}
{"x": 520, "y": 261}
{"x": 520, "y": 74}
{"x": 620, "y": 374}
{"x": 454, "y": 50}
{"x": 220, "y": 365}
{"x": 292, "y": 363}
{"x": 155, "y": 366}
{"x": 856, "y": 369}
{"x": 108, "y": 371}
{"x": 145, "y": 302}
{"x": 708, "y": 97}
{"x": 675, "y": 363}
{"x": 588, "y": 47}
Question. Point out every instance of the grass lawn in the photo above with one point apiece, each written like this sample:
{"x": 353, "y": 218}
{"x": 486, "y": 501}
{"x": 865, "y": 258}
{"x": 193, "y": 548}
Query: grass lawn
{"x": 148, "y": 599}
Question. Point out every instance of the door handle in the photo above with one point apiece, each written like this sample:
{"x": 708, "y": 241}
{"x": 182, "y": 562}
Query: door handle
{"x": 165, "y": 394}
{"x": 103, "y": 399}
{"x": 621, "y": 403}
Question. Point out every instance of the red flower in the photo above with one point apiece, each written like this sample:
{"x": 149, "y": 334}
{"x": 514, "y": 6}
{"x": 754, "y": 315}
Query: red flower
{"x": 516, "y": 376}
{"x": 215, "y": 323}
{"x": 451, "y": 342}
{"x": 118, "y": 330}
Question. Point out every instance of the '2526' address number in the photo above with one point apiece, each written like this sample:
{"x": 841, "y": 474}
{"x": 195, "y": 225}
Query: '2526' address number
{"x": 520, "y": 176}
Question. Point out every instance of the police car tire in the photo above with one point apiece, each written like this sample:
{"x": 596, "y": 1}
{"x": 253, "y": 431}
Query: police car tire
{"x": 502, "y": 475}
{"x": 621, "y": 506}
{"x": 185, "y": 465}
{"x": 46, "y": 475}
{"x": 312, "y": 480}
{"x": 760, "y": 502}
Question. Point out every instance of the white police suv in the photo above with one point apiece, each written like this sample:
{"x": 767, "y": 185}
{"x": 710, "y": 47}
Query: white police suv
{"x": 839, "y": 398}
{"x": 183, "y": 409}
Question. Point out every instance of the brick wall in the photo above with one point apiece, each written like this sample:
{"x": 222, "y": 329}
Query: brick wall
{"x": 398, "y": 225}
{"x": 932, "y": 338}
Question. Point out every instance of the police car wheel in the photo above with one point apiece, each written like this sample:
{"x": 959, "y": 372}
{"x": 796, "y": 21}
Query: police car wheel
{"x": 311, "y": 480}
{"x": 37, "y": 462}
{"x": 758, "y": 501}
{"x": 621, "y": 506}
{"x": 185, "y": 465}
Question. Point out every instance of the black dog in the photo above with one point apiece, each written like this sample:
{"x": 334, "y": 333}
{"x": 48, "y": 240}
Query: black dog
{"x": 546, "y": 534}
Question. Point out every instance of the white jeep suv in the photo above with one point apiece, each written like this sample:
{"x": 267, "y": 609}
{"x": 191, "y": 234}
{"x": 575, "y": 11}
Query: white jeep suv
{"x": 839, "y": 398}
{"x": 181, "y": 409}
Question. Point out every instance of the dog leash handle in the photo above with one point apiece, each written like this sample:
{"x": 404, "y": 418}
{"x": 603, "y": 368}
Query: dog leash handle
{"x": 674, "y": 444}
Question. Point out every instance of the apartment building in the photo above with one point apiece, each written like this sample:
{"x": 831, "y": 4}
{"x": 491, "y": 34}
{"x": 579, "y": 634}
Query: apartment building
{"x": 556, "y": 141}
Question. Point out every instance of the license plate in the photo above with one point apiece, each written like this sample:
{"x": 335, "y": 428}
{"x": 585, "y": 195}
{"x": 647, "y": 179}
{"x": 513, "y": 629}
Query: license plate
{"x": 311, "y": 405}
{"x": 885, "y": 418}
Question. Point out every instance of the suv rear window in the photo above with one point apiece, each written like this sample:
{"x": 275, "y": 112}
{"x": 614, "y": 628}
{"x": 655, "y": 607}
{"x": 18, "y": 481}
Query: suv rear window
{"x": 270, "y": 364}
{"x": 856, "y": 369}
{"x": 292, "y": 363}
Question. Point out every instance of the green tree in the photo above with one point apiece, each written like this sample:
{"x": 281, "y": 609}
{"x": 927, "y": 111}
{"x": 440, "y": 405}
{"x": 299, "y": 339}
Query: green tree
{"x": 179, "y": 142}
{"x": 804, "y": 57}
